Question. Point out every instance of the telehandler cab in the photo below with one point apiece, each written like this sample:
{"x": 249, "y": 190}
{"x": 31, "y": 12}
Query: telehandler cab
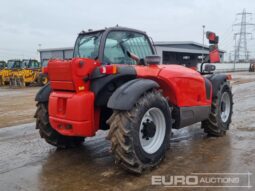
{"x": 115, "y": 82}
{"x": 2, "y": 64}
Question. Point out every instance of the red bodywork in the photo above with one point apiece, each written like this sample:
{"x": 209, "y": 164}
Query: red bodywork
{"x": 214, "y": 56}
{"x": 184, "y": 87}
{"x": 71, "y": 104}
{"x": 211, "y": 36}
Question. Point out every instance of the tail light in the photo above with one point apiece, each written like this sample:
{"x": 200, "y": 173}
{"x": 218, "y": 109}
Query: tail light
{"x": 229, "y": 77}
{"x": 109, "y": 69}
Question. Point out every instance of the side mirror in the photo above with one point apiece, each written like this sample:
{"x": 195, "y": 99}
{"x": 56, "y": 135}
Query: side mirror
{"x": 152, "y": 60}
{"x": 209, "y": 68}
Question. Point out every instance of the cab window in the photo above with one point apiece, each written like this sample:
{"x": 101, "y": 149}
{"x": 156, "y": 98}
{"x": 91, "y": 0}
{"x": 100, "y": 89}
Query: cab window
{"x": 35, "y": 64}
{"x": 118, "y": 43}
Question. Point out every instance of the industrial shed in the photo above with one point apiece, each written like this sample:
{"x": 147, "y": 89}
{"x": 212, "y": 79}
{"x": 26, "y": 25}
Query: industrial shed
{"x": 61, "y": 53}
{"x": 186, "y": 53}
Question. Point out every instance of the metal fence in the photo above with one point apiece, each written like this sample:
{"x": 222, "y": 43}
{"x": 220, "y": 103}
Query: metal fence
{"x": 230, "y": 67}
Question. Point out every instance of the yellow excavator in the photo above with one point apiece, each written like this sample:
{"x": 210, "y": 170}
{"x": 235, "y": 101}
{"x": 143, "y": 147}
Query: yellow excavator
{"x": 28, "y": 74}
{"x": 6, "y": 72}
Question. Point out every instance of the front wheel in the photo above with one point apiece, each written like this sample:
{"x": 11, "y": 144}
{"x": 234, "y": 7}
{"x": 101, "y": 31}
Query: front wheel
{"x": 221, "y": 112}
{"x": 141, "y": 136}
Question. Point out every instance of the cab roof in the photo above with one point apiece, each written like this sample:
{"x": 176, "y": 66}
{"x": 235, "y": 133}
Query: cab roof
{"x": 117, "y": 28}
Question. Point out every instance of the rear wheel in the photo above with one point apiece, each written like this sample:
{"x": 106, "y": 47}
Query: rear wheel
{"x": 140, "y": 137}
{"x": 221, "y": 112}
{"x": 50, "y": 135}
{"x": 20, "y": 82}
{"x": 12, "y": 82}
{"x": 1, "y": 81}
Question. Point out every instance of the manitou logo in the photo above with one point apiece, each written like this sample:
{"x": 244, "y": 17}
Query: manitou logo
{"x": 175, "y": 180}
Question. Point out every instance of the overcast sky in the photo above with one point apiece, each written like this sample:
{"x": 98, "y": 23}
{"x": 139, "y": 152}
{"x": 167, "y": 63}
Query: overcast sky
{"x": 55, "y": 23}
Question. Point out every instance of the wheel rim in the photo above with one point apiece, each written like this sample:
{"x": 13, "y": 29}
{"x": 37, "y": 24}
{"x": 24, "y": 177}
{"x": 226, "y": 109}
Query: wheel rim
{"x": 225, "y": 107}
{"x": 45, "y": 81}
{"x": 152, "y": 130}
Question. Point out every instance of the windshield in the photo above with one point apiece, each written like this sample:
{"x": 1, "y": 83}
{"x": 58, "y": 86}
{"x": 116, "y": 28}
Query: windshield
{"x": 119, "y": 43}
{"x": 2, "y": 64}
{"x": 87, "y": 45}
{"x": 25, "y": 63}
{"x": 10, "y": 64}
{"x": 13, "y": 64}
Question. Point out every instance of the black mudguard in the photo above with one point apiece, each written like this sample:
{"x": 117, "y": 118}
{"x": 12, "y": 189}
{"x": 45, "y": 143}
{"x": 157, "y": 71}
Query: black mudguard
{"x": 208, "y": 88}
{"x": 99, "y": 81}
{"x": 104, "y": 85}
{"x": 128, "y": 94}
{"x": 43, "y": 94}
{"x": 216, "y": 80}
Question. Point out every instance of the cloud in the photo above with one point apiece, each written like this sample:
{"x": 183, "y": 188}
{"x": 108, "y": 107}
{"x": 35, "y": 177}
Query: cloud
{"x": 27, "y": 23}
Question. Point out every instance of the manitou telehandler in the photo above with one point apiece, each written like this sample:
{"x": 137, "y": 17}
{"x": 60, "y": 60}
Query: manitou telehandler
{"x": 115, "y": 82}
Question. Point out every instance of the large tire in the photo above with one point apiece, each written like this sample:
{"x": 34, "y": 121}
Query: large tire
{"x": 42, "y": 79}
{"x": 1, "y": 81}
{"x": 20, "y": 82}
{"x": 221, "y": 112}
{"x": 12, "y": 82}
{"x": 127, "y": 127}
{"x": 50, "y": 135}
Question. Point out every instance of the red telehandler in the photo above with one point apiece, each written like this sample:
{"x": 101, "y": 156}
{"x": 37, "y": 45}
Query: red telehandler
{"x": 115, "y": 82}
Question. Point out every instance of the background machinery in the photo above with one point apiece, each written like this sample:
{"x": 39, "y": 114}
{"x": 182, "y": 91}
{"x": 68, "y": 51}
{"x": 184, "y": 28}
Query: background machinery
{"x": 2, "y": 65}
{"x": 12, "y": 65}
{"x": 27, "y": 74}
{"x": 43, "y": 77}
{"x": 252, "y": 66}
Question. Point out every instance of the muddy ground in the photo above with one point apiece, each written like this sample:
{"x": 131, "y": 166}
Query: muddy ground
{"x": 17, "y": 106}
{"x": 28, "y": 163}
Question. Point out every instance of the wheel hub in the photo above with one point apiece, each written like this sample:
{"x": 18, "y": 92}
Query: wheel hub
{"x": 148, "y": 130}
{"x": 152, "y": 130}
{"x": 225, "y": 107}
